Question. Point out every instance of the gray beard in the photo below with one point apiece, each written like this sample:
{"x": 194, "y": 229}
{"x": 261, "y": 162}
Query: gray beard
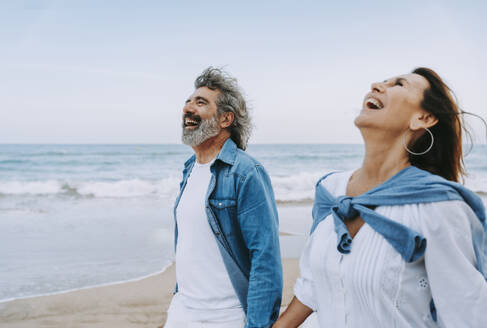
{"x": 207, "y": 129}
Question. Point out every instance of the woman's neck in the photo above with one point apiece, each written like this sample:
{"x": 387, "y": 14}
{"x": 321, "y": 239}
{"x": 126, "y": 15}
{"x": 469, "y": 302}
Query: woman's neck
{"x": 382, "y": 161}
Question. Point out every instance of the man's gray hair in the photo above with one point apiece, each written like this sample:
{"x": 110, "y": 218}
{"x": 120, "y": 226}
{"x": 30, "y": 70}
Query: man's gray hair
{"x": 229, "y": 100}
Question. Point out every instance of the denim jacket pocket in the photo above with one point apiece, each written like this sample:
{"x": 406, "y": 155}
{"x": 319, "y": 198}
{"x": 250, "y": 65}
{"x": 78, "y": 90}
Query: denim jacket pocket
{"x": 226, "y": 212}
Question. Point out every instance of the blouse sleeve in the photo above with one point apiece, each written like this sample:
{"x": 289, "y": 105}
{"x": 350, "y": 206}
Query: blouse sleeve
{"x": 304, "y": 289}
{"x": 459, "y": 290}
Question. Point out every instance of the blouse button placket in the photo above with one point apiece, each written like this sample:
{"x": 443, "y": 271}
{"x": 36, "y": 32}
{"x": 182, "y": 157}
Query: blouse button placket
{"x": 343, "y": 290}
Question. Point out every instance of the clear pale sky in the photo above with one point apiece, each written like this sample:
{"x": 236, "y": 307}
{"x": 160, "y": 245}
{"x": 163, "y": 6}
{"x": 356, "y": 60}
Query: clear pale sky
{"x": 119, "y": 71}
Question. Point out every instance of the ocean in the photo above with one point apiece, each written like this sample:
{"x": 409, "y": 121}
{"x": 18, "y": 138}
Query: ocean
{"x": 76, "y": 216}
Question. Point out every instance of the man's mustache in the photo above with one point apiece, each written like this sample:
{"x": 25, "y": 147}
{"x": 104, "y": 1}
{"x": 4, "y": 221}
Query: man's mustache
{"x": 192, "y": 117}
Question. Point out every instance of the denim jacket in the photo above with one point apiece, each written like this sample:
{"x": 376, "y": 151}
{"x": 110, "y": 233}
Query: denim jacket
{"x": 242, "y": 214}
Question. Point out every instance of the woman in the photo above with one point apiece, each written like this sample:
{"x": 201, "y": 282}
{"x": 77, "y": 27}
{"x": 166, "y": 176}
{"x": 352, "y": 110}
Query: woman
{"x": 398, "y": 242}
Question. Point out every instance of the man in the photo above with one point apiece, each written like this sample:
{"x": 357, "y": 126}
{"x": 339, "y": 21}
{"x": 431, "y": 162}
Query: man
{"x": 228, "y": 264}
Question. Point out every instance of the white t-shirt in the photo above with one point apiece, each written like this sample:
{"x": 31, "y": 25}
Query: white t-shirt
{"x": 204, "y": 286}
{"x": 373, "y": 286}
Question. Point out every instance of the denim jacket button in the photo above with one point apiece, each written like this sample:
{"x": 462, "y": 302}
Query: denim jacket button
{"x": 219, "y": 204}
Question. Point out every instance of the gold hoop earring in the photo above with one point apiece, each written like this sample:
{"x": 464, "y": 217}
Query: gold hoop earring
{"x": 422, "y": 153}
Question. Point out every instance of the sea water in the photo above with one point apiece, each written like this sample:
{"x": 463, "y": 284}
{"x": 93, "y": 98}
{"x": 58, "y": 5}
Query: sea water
{"x": 74, "y": 216}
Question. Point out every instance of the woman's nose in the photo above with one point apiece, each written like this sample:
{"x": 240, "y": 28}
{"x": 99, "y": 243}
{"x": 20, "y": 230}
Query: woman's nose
{"x": 379, "y": 87}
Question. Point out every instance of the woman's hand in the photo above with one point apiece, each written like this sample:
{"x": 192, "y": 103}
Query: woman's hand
{"x": 294, "y": 315}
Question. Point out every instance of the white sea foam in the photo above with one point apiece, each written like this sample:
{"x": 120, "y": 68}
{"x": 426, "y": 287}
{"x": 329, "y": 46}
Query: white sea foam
{"x": 130, "y": 188}
{"x": 295, "y": 188}
{"x": 47, "y": 187}
{"x": 100, "y": 189}
{"x": 287, "y": 189}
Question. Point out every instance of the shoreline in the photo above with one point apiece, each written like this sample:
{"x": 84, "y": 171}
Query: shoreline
{"x": 140, "y": 303}
{"x": 107, "y": 284}
{"x": 118, "y": 282}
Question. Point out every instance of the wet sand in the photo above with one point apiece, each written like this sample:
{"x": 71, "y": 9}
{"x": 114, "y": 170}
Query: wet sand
{"x": 141, "y": 303}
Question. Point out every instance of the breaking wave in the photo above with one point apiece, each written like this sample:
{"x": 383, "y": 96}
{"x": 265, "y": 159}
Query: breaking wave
{"x": 292, "y": 189}
{"x": 99, "y": 189}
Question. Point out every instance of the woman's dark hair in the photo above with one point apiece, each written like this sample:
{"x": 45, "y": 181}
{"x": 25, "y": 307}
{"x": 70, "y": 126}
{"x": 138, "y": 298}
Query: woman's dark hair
{"x": 445, "y": 158}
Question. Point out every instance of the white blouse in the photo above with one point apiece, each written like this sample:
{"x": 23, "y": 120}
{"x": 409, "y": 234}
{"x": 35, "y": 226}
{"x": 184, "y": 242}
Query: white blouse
{"x": 373, "y": 286}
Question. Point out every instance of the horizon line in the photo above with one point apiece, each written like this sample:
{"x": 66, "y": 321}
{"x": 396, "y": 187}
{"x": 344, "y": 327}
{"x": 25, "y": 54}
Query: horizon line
{"x": 172, "y": 144}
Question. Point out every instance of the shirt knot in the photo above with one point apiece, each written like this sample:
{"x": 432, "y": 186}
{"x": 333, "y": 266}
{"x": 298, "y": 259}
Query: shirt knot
{"x": 344, "y": 208}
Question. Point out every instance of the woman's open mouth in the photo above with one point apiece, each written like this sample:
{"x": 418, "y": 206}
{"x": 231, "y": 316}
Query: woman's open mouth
{"x": 373, "y": 103}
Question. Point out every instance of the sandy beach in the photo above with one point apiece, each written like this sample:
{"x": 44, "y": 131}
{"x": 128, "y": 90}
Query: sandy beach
{"x": 136, "y": 304}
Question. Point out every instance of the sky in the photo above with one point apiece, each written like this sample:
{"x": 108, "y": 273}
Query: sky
{"x": 120, "y": 71}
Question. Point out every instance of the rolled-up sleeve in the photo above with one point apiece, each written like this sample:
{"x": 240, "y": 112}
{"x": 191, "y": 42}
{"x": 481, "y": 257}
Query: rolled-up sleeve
{"x": 459, "y": 290}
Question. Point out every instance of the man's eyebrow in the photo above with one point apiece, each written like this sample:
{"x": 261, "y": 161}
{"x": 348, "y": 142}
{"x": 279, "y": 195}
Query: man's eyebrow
{"x": 202, "y": 98}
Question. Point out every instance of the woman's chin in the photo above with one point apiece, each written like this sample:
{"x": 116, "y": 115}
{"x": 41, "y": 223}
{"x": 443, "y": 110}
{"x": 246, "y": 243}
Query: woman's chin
{"x": 363, "y": 121}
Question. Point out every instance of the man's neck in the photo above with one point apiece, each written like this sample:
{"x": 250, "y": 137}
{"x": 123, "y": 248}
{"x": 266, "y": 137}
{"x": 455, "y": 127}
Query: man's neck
{"x": 209, "y": 149}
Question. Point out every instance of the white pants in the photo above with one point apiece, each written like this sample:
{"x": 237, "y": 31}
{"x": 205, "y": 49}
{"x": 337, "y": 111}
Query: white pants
{"x": 177, "y": 318}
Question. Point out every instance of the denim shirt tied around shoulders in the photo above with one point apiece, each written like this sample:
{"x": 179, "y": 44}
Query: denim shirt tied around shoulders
{"x": 410, "y": 186}
{"x": 241, "y": 211}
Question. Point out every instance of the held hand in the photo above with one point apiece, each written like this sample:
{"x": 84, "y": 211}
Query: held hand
{"x": 294, "y": 315}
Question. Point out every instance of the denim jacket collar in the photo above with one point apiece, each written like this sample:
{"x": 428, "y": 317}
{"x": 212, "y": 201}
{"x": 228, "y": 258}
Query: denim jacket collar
{"x": 189, "y": 161}
{"x": 227, "y": 154}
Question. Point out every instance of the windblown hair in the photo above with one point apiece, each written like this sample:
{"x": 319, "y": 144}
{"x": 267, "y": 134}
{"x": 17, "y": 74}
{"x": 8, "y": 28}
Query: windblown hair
{"x": 445, "y": 158}
{"x": 229, "y": 100}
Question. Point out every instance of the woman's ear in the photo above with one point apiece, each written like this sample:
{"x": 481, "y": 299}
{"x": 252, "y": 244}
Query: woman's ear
{"x": 226, "y": 119}
{"x": 422, "y": 120}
